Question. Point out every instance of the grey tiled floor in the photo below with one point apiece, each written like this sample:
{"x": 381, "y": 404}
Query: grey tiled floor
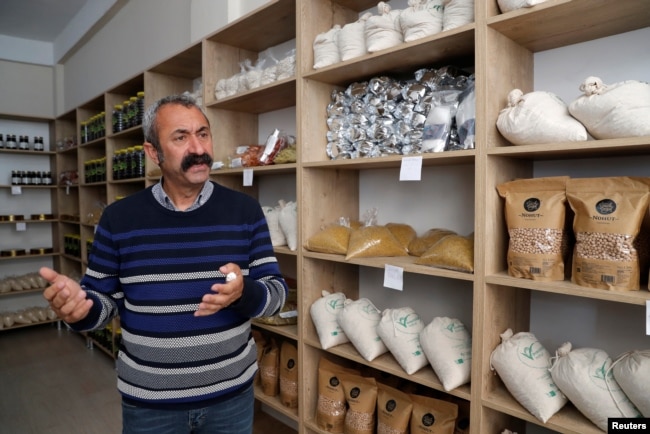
{"x": 51, "y": 383}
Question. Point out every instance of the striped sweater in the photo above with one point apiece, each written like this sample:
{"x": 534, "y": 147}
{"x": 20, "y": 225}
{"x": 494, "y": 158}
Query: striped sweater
{"x": 151, "y": 266}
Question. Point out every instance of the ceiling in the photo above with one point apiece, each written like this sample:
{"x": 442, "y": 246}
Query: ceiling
{"x": 30, "y": 27}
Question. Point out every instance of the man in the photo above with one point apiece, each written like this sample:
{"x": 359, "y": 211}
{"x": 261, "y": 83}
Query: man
{"x": 163, "y": 260}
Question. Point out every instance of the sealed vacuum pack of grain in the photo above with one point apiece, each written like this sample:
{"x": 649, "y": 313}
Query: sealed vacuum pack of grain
{"x": 535, "y": 214}
{"x": 609, "y": 212}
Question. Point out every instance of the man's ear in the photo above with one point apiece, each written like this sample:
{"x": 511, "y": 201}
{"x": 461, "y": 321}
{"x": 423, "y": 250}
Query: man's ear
{"x": 151, "y": 152}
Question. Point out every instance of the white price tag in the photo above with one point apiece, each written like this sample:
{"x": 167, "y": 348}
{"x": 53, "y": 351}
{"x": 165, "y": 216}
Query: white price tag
{"x": 411, "y": 169}
{"x": 647, "y": 317}
{"x": 15, "y": 189}
{"x": 21, "y": 226}
{"x": 248, "y": 177}
{"x": 394, "y": 277}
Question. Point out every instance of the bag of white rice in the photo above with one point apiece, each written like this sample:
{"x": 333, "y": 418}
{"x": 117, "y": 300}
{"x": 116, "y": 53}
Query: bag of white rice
{"x": 457, "y": 13}
{"x": 538, "y": 117}
{"x": 323, "y": 314}
{"x": 613, "y": 111}
{"x": 383, "y": 31}
{"x": 359, "y": 319}
{"x": 632, "y": 373}
{"x": 522, "y": 362}
{"x": 447, "y": 345}
{"x": 400, "y": 329}
{"x": 326, "y": 48}
{"x": 422, "y": 18}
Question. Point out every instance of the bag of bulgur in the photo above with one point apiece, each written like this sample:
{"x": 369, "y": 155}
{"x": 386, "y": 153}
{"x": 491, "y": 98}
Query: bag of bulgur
{"x": 394, "y": 409}
{"x": 403, "y": 233}
{"x": 332, "y": 239}
{"x": 453, "y": 252}
{"x": 431, "y": 415}
{"x": 289, "y": 375}
{"x": 608, "y": 216}
{"x": 421, "y": 244}
{"x": 361, "y": 399}
{"x": 535, "y": 213}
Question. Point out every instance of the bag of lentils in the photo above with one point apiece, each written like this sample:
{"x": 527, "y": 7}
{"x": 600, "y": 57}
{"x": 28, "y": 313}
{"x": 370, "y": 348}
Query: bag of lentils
{"x": 608, "y": 216}
{"x": 535, "y": 214}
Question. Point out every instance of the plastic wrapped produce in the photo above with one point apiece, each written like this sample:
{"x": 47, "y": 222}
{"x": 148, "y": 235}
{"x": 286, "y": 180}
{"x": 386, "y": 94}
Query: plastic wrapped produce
{"x": 453, "y": 252}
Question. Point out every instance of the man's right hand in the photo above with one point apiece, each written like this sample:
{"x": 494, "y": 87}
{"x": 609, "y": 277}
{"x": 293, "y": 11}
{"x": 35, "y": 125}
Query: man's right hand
{"x": 65, "y": 296}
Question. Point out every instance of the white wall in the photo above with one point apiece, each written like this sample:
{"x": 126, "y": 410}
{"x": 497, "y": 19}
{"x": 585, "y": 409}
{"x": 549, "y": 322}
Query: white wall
{"x": 26, "y": 89}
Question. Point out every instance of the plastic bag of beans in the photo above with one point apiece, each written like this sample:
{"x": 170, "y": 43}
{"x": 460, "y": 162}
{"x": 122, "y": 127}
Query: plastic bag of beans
{"x": 289, "y": 374}
{"x": 431, "y": 415}
{"x": 394, "y": 409}
{"x": 361, "y": 400}
{"x": 609, "y": 212}
{"x": 535, "y": 212}
{"x": 331, "y": 407}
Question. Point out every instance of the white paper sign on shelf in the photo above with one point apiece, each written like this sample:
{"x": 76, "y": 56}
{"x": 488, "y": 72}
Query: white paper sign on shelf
{"x": 411, "y": 169}
{"x": 15, "y": 190}
{"x": 394, "y": 277}
{"x": 248, "y": 177}
{"x": 21, "y": 226}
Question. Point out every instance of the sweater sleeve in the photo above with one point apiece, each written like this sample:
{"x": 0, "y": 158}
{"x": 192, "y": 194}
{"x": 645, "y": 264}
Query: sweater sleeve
{"x": 265, "y": 290}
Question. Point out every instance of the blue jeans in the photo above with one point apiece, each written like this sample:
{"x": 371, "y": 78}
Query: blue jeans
{"x": 234, "y": 416}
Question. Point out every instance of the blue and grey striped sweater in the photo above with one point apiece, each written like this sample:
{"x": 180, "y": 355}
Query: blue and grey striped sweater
{"x": 151, "y": 266}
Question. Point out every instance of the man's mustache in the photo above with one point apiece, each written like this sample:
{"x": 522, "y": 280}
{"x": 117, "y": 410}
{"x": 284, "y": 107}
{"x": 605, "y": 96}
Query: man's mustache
{"x": 194, "y": 159}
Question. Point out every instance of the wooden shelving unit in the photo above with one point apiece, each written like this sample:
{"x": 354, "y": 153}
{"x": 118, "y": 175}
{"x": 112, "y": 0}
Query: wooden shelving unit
{"x": 500, "y": 48}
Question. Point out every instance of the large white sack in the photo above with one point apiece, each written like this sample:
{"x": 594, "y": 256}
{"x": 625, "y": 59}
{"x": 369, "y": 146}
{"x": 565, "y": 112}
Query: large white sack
{"x": 538, "y": 117}
{"x": 447, "y": 344}
{"x": 400, "y": 329}
{"x": 613, "y": 111}
{"x": 632, "y": 373}
{"x": 511, "y": 5}
{"x": 383, "y": 31}
{"x": 582, "y": 375}
{"x": 323, "y": 314}
{"x": 522, "y": 362}
{"x": 359, "y": 319}
{"x": 326, "y": 48}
